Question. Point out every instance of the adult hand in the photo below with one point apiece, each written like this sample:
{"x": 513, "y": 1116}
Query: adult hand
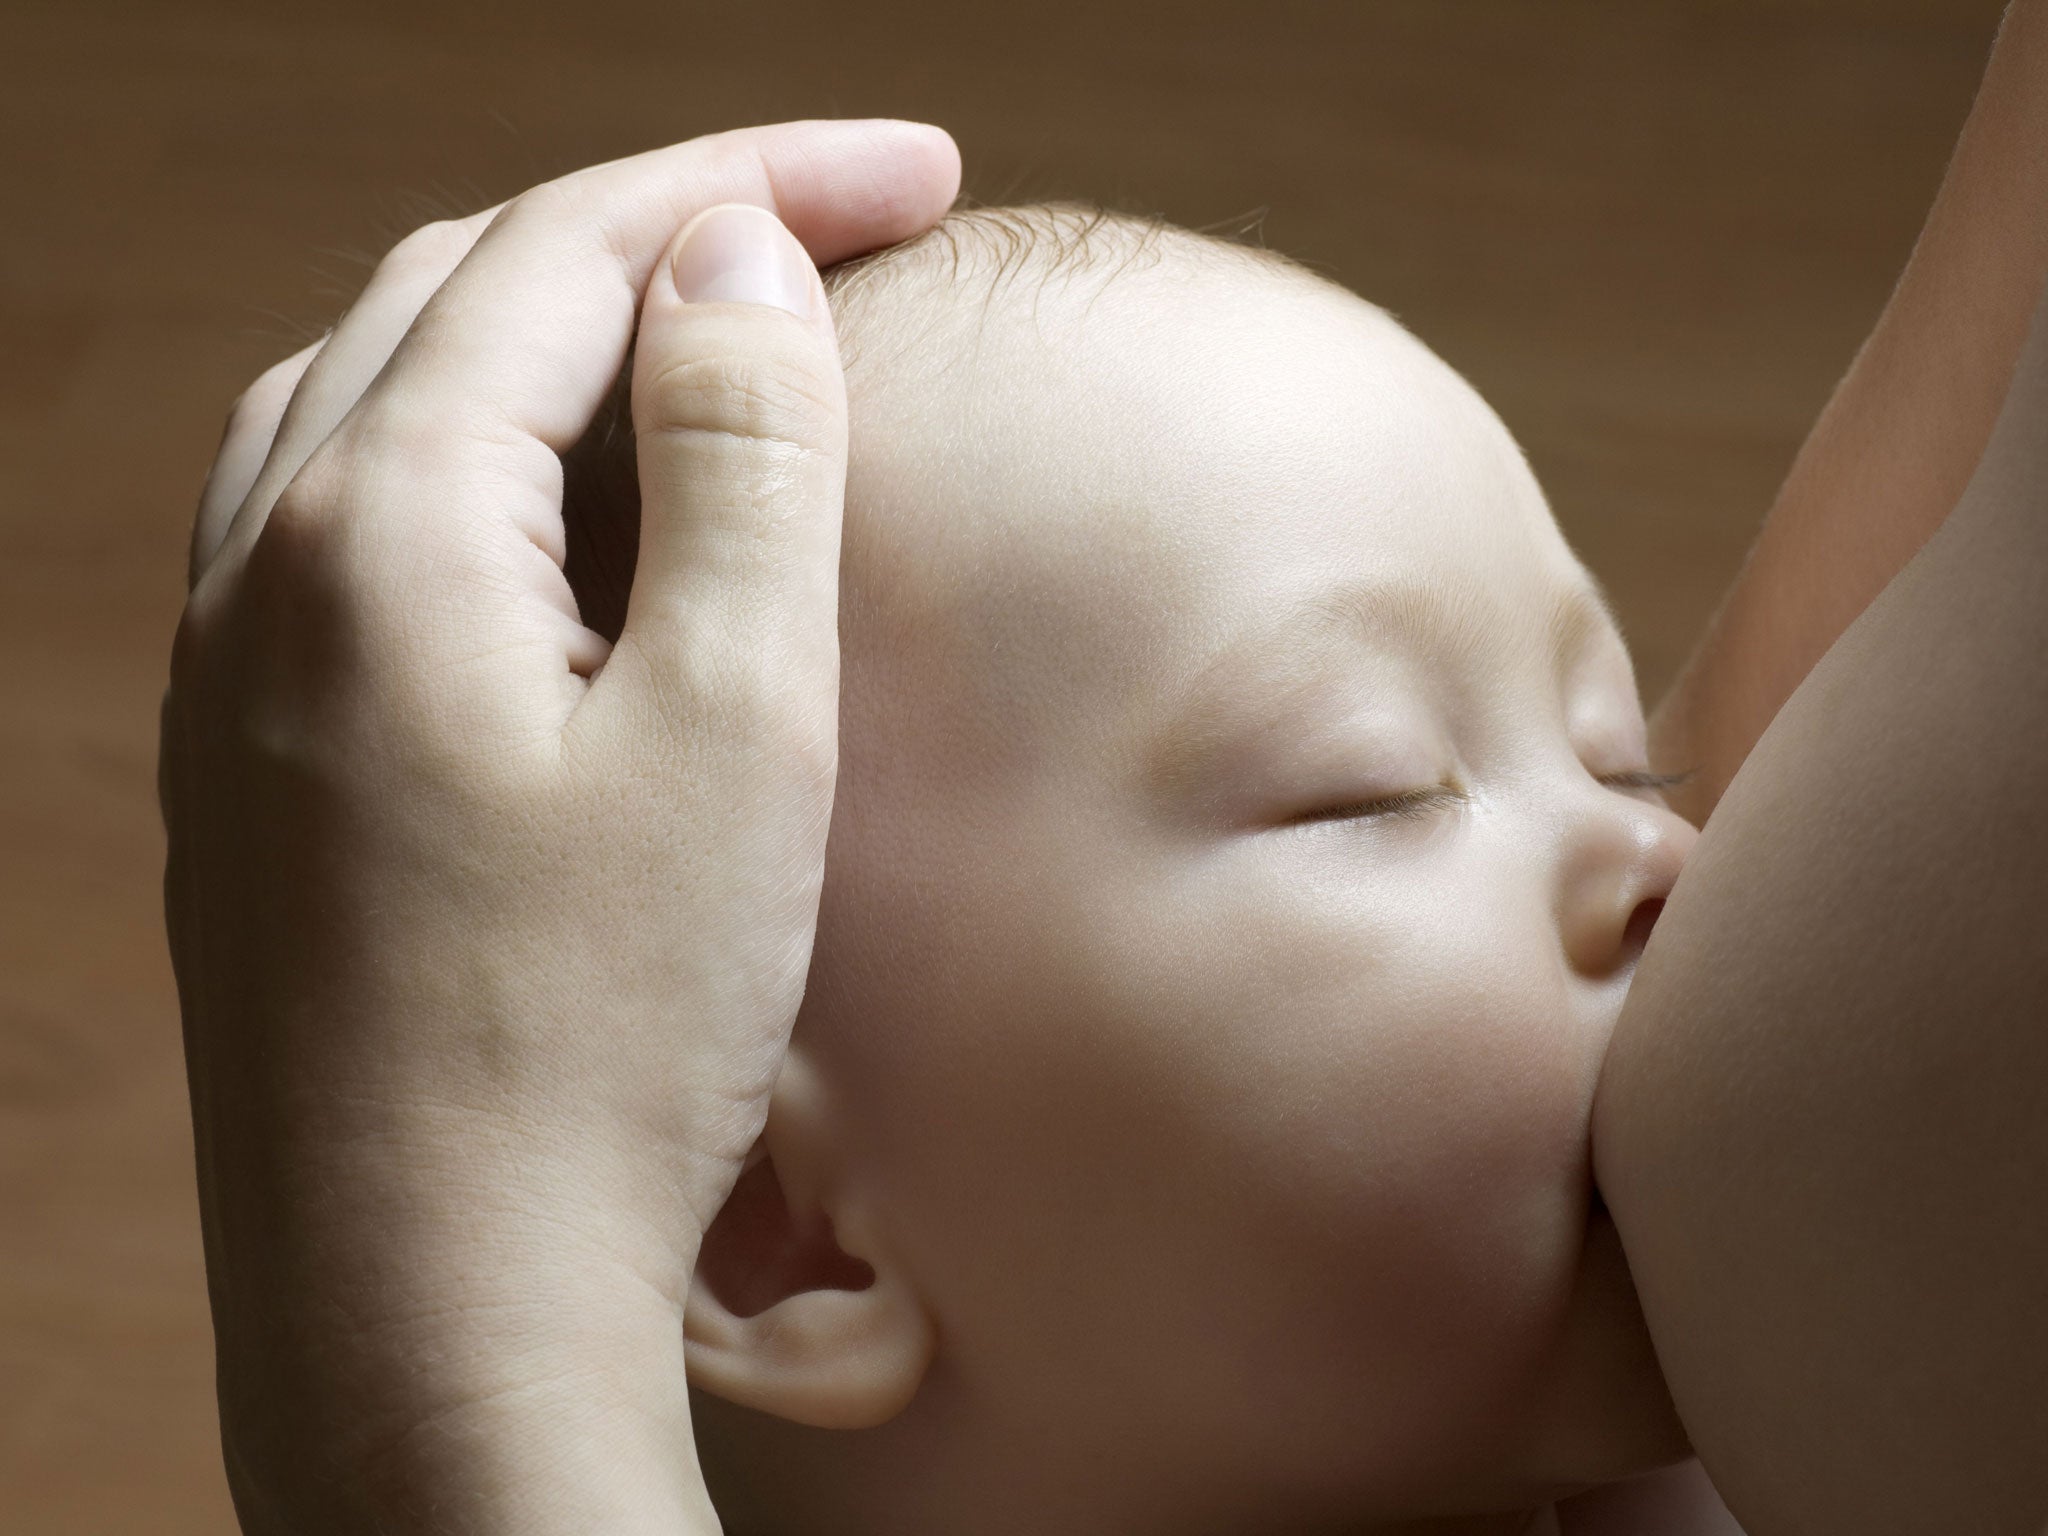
{"x": 489, "y": 934}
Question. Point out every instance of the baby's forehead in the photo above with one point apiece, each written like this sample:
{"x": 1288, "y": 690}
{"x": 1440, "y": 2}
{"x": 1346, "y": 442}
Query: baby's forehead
{"x": 991, "y": 292}
{"x": 1085, "y": 451}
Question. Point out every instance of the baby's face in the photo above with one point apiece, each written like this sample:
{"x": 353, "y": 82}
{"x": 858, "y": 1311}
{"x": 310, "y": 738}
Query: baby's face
{"x": 1231, "y": 890}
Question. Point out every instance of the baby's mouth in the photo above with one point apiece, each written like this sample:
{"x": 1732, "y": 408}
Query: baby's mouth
{"x": 1641, "y": 922}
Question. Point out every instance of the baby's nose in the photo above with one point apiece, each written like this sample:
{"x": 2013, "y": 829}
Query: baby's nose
{"x": 1620, "y": 864}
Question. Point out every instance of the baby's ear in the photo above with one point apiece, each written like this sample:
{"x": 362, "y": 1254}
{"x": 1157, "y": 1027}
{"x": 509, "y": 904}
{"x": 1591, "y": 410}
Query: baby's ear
{"x": 781, "y": 1318}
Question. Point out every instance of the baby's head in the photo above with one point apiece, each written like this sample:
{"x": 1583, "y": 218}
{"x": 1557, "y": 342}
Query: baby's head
{"x": 1235, "y": 874}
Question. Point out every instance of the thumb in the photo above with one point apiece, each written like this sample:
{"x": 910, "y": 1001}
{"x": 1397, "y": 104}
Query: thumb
{"x": 739, "y": 410}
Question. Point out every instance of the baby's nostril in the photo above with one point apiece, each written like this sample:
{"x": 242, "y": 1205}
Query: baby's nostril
{"x": 1641, "y": 921}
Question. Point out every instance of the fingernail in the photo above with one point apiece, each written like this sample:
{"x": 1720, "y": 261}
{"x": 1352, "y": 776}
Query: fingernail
{"x": 738, "y": 254}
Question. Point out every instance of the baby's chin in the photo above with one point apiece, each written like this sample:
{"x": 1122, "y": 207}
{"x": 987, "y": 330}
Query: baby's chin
{"x": 1607, "y": 1413}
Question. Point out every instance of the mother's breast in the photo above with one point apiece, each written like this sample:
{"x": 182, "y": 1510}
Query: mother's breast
{"x": 1823, "y": 1123}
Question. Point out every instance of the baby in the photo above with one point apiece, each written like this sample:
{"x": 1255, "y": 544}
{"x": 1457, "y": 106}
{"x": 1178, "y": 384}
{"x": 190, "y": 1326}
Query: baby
{"x": 1242, "y": 846}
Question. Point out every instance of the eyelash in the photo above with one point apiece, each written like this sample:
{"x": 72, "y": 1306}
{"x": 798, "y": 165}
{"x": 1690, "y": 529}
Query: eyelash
{"x": 1412, "y": 804}
{"x": 1642, "y": 778}
{"x": 1415, "y": 804}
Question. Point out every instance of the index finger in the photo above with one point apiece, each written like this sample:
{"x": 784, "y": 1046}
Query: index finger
{"x": 520, "y": 345}
{"x": 587, "y": 243}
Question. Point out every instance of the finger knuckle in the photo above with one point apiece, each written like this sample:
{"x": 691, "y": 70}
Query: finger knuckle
{"x": 432, "y": 249}
{"x": 304, "y": 518}
{"x": 772, "y": 398}
{"x": 582, "y": 203}
{"x": 263, "y": 402}
{"x": 565, "y": 199}
{"x": 386, "y": 435}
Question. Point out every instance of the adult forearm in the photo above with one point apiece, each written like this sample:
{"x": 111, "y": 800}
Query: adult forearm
{"x": 1893, "y": 450}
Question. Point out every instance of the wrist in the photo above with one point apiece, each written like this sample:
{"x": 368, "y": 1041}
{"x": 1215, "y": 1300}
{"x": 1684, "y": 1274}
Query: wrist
{"x": 577, "y": 1422}
{"x": 454, "y": 1340}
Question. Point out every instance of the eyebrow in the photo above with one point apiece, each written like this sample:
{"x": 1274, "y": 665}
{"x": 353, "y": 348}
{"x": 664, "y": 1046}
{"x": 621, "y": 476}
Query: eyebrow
{"x": 1578, "y": 614}
{"x": 1200, "y": 719}
{"x": 1424, "y": 609}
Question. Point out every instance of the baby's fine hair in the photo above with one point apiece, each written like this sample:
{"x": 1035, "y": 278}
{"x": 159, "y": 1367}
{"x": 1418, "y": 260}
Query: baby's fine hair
{"x": 992, "y": 249}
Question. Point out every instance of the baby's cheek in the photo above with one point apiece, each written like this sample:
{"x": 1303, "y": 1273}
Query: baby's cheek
{"x": 1421, "y": 1035}
{"x": 1396, "y": 1094}
{"x": 1173, "y": 1145}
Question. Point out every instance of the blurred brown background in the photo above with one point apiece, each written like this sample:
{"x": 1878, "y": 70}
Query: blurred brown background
{"x": 1652, "y": 233}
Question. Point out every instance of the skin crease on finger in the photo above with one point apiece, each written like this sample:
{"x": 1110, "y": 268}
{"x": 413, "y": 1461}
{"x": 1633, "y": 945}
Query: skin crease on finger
{"x": 1234, "y": 878}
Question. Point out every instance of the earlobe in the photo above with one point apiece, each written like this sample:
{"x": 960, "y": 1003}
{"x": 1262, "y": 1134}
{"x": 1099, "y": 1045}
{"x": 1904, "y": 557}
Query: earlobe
{"x": 784, "y": 1320}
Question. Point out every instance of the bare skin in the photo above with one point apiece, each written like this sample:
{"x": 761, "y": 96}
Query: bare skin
{"x": 1241, "y": 851}
{"x": 1892, "y": 453}
{"x": 1679, "y": 1108}
{"x": 1847, "y": 982}
{"x": 1823, "y": 1122}
{"x": 445, "y": 1234}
